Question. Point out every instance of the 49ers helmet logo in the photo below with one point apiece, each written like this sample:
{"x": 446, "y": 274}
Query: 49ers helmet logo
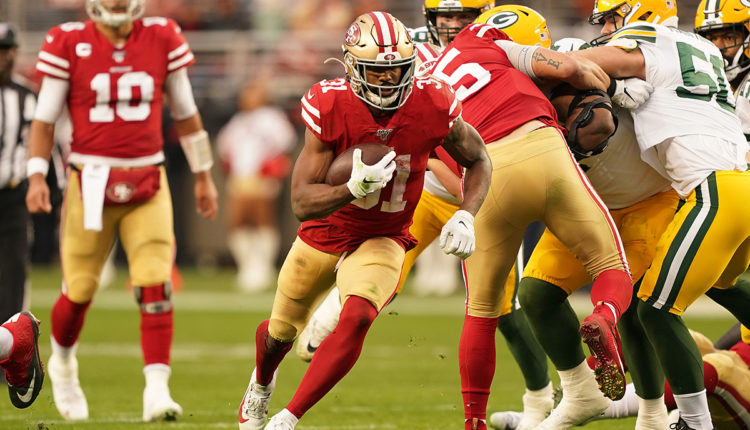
{"x": 352, "y": 35}
{"x": 503, "y": 19}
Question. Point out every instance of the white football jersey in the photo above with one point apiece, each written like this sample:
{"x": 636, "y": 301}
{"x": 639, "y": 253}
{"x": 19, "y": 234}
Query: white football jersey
{"x": 743, "y": 104}
{"x": 618, "y": 174}
{"x": 691, "y": 97}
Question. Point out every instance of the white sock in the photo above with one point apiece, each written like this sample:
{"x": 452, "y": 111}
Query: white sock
{"x": 625, "y": 407}
{"x": 64, "y": 352}
{"x": 652, "y": 413}
{"x": 157, "y": 374}
{"x": 240, "y": 244}
{"x": 577, "y": 376}
{"x": 327, "y": 313}
{"x": 6, "y": 343}
{"x": 537, "y": 404}
{"x": 288, "y": 417}
{"x": 694, "y": 410}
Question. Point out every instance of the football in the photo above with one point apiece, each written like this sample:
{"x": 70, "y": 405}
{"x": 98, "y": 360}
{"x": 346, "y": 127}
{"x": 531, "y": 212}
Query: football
{"x": 340, "y": 169}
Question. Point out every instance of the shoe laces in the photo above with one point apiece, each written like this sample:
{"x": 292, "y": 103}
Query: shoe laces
{"x": 256, "y": 404}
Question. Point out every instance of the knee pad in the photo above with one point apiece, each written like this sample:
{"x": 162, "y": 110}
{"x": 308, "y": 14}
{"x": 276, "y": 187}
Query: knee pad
{"x": 156, "y": 299}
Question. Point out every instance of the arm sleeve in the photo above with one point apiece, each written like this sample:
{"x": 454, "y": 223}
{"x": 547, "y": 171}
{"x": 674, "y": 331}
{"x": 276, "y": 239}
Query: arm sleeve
{"x": 180, "y": 92}
{"x": 520, "y": 56}
{"x": 51, "y": 101}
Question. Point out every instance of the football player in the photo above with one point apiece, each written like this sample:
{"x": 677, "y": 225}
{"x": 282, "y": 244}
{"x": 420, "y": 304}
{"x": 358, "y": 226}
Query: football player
{"x": 687, "y": 131}
{"x": 641, "y": 204}
{"x": 493, "y": 77}
{"x": 727, "y": 25}
{"x": 726, "y": 374}
{"x": 113, "y": 72}
{"x": 356, "y": 234}
{"x": 440, "y": 198}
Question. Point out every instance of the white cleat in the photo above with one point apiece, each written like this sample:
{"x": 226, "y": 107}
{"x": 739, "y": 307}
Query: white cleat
{"x": 66, "y": 389}
{"x": 254, "y": 407}
{"x": 575, "y": 411}
{"x": 507, "y": 420}
{"x": 313, "y": 334}
{"x": 284, "y": 420}
{"x": 159, "y": 406}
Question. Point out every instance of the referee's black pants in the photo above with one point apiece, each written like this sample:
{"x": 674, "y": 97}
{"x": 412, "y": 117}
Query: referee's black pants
{"x": 14, "y": 250}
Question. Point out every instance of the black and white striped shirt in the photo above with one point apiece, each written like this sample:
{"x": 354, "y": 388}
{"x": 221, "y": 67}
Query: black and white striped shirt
{"x": 17, "y": 104}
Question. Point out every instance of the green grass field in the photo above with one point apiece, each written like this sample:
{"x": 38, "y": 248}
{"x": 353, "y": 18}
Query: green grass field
{"x": 406, "y": 378}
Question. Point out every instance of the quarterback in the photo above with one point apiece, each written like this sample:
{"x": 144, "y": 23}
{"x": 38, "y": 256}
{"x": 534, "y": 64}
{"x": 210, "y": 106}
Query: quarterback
{"x": 689, "y": 133}
{"x": 356, "y": 234}
{"x": 113, "y": 72}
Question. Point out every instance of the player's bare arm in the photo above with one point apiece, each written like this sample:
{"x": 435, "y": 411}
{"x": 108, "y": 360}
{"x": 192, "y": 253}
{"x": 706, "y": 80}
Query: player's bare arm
{"x": 206, "y": 196}
{"x": 464, "y": 145}
{"x": 616, "y": 62}
{"x": 555, "y": 66}
{"x": 41, "y": 141}
{"x": 312, "y": 198}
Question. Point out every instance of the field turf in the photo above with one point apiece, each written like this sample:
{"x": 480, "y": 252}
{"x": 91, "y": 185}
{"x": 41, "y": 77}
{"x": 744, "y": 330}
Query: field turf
{"x": 406, "y": 378}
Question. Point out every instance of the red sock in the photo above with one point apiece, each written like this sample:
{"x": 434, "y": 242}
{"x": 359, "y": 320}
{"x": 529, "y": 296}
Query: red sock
{"x": 157, "y": 324}
{"x": 335, "y": 356}
{"x": 476, "y": 358}
{"x": 268, "y": 353}
{"x": 67, "y": 320}
{"x": 613, "y": 287}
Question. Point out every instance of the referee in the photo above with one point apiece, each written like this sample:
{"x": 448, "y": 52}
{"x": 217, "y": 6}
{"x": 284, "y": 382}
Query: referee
{"x": 17, "y": 104}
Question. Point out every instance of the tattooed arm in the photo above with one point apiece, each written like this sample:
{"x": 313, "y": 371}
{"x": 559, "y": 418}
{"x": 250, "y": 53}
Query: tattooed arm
{"x": 549, "y": 67}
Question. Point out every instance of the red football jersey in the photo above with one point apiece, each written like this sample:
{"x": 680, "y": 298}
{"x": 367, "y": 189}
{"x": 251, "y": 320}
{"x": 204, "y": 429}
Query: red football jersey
{"x": 340, "y": 119}
{"x": 497, "y": 98}
{"x": 116, "y": 93}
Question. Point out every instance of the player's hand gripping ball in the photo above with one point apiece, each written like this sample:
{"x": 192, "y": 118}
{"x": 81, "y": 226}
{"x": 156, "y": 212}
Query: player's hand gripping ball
{"x": 365, "y": 168}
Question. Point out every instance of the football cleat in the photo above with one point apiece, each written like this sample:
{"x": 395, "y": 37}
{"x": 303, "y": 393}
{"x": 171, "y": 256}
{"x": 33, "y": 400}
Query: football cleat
{"x": 507, "y": 420}
{"x": 577, "y": 411}
{"x": 23, "y": 368}
{"x": 680, "y": 425}
{"x": 159, "y": 406}
{"x": 66, "y": 389}
{"x": 254, "y": 407}
{"x": 601, "y": 336}
{"x": 313, "y": 334}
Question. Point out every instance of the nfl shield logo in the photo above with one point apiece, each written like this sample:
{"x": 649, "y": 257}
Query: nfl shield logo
{"x": 118, "y": 56}
{"x": 384, "y": 133}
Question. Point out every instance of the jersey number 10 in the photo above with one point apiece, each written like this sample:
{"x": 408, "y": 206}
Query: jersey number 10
{"x": 103, "y": 111}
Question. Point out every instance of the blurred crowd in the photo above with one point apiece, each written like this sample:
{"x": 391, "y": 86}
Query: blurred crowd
{"x": 284, "y": 43}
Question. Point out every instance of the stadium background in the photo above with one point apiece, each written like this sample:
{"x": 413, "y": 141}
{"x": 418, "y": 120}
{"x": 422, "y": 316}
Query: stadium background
{"x": 407, "y": 376}
{"x": 238, "y": 40}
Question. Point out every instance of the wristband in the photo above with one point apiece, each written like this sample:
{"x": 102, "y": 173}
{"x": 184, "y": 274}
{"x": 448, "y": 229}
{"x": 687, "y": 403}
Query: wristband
{"x": 36, "y": 165}
{"x": 197, "y": 149}
{"x": 612, "y": 87}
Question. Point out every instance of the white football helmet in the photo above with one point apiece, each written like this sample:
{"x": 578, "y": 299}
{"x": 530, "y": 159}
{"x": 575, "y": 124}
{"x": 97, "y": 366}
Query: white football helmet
{"x": 115, "y": 12}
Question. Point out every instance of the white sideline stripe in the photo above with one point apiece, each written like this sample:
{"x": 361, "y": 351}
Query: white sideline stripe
{"x": 229, "y": 301}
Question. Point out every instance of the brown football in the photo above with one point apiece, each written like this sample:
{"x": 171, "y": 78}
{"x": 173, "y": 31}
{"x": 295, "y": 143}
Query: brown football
{"x": 341, "y": 168}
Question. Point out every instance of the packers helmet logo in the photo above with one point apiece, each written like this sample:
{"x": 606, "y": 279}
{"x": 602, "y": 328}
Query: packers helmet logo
{"x": 503, "y": 19}
{"x": 745, "y": 3}
{"x": 352, "y": 35}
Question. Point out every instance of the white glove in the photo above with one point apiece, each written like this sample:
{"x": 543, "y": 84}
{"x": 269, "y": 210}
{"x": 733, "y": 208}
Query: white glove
{"x": 631, "y": 92}
{"x": 457, "y": 237}
{"x": 368, "y": 179}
